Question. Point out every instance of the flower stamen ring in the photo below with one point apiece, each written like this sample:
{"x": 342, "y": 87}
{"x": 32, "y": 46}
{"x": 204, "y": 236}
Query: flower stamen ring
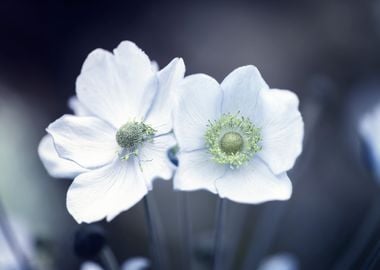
{"x": 233, "y": 140}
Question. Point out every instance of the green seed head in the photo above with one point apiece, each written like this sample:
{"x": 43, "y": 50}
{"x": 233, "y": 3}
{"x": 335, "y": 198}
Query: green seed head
{"x": 133, "y": 134}
{"x": 233, "y": 140}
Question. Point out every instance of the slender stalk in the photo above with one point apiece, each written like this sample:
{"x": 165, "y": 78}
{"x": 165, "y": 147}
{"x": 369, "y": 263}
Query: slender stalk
{"x": 269, "y": 222}
{"x": 361, "y": 238}
{"x": 153, "y": 237}
{"x": 108, "y": 259}
{"x": 220, "y": 220}
{"x": 264, "y": 235}
{"x": 185, "y": 224}
{"x": 373, "y": 258}
{"x": 13, "y": 243}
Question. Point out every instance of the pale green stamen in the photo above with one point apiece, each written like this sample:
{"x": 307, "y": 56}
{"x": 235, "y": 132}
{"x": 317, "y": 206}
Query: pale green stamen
{"x": 233, "y": 140}
{"x": 132, "y": 135}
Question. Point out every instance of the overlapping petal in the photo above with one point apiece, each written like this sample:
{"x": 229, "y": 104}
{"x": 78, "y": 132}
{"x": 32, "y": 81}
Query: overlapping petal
{"x": 55, "y": 165}
{"x": 199, "y": 102}
{"x": 241, "y": 90}
{"x": 154, "y": 161}
{"x": 254, "y": 183}
{"x": 196, "y": 171}
{"x": 136, "y": 78}
{"x": 88, "y": 141}
{"x": 78, "y": 108}
{"x": 160, "y": 114}
{"x": 117, "y": 88}
{"x": 282, "y": 129}
{"x": 107, "y": 191}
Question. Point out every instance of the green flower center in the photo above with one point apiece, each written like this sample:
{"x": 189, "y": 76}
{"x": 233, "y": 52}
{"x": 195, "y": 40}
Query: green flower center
{"x": 132, "y": 135}
{"x": 233, "y": 140}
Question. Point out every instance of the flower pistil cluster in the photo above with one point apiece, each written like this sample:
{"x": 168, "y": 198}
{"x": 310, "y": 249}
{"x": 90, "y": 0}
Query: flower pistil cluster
{"x": 232, "y": 140}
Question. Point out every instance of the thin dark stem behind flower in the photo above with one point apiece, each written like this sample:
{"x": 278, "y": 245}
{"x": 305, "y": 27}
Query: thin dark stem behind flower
{"x": 185, "y": 224}
{"x": 108, "y": 259}
{"x": 10, "y": 237}
{"x": 153, "y": 237}
{"x": 361, "y": 239}
{"x": 265, "y": 232}
{"x": 268, "y": 227}
{"x": 373, "y": 258}
{"x": 219, "y": 230}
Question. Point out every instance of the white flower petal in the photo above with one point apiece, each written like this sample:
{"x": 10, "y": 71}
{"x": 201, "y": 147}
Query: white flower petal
{"x": 78, "y": 108}
{"x": 56, "y": 166}
{"x": 281, "y": 129}
{"x": 254, "y": 183}
{"x": 90, "y": 266}
{"x": 154, "y": 161}
{"x": 137, "y": 77}
{"x": 88, "y": 141}
{"x": 138, "y": 263}
{"x": 369, "y": 129}
{"x": 99, "y": 89}
{"x": 160, "y": 114}
{"x": 199, "y": 102}
{"x": 241, "y": 89}
{"x": 196, "y": 171}
{"x": 95, "y": 59}
{"x": 105, "y": 192}
{"x": 134, "y": 60}
{"x": 117, "y": 88}
{"x": 281, "y": 261}
{"x": 154, "y": 65}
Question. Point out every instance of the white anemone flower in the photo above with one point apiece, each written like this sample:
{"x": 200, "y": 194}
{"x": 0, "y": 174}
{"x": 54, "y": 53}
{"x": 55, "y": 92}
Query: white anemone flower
{"x": 238, "y": 138}
{"x": 122, "y": 139}
{"x": 369, "y": 129}
{"x": 58, "y": 167}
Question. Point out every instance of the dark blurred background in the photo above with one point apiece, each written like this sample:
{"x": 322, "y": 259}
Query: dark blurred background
{"x": 327, "y": 51}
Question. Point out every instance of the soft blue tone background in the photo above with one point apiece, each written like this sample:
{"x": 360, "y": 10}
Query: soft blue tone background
{"x": 325, "y": 50}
